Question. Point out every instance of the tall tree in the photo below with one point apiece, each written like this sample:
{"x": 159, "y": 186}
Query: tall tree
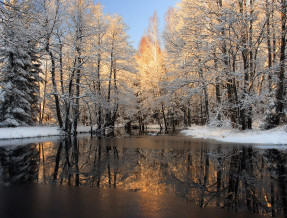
{"x": 281, "y": 84}
{"x": 20, "y": 66}
{"x": 214, "y": 48}
{"x": 150, "y": 60}
{"x": 50, "y": 11}
{"x": 120, "y": 66}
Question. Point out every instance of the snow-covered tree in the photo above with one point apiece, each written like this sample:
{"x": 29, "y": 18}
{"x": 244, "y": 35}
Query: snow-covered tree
{"x": 20, "y": 66}
{"x": 151, "y": 67}
{"x": 110, "y": 69}
{"x": 188, "y": 56}
{"x": 222, "y": 56}
{"x": 120, "y": 69}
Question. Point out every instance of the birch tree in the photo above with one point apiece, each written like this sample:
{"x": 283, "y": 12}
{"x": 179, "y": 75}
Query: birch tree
{"x": 151, "y": 73}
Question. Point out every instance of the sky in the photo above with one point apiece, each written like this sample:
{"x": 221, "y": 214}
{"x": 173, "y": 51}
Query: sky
{"x": 136, "y": 14}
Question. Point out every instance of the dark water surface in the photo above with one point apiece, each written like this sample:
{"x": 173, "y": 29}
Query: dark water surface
{"x": 141, "y": 176}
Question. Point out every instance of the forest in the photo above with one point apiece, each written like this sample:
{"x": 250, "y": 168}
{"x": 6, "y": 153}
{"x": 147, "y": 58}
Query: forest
{"x": 69, "y": 63}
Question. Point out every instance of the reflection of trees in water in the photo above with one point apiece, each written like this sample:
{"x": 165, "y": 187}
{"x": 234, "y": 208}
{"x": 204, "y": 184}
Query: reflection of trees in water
{"x": 19, "y": 165}
{"x": 276, "y": 164}
{"x": 235, "y": 178}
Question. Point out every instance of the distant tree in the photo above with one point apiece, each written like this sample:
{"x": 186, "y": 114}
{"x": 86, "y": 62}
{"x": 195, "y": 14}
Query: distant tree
{"x": 151, "y": 67}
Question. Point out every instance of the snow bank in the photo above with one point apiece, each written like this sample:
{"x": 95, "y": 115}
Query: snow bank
{"x": 36, "y": 131}
{"x": 82, "y": 129}
{"x": 153, "y": 126}
{"x": 276, "y": 136}
{"x": 28, "y": 132}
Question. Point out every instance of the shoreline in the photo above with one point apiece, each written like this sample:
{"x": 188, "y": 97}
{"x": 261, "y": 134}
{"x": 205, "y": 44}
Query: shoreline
{"x": 276, "y": 136}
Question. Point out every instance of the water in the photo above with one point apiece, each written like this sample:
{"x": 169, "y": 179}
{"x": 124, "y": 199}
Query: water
{"x": 141, "y": 176}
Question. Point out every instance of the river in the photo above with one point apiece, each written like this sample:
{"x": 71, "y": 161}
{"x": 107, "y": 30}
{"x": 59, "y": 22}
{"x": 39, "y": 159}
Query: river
{"x": 141, "y": 176}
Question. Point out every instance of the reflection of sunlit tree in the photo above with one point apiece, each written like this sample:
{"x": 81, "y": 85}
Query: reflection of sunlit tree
{"x": 234, "y": 178}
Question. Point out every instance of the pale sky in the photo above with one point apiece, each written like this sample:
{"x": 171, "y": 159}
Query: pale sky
{"x": 136, "y": 14}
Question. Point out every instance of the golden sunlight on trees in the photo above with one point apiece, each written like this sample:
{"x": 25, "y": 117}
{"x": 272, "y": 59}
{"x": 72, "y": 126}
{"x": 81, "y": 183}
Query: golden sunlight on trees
{"x": 88, "y": 59}
{"x": 151, "y": 67}
{"x": 221, "y": 63}
{"x": 226, "y": 60}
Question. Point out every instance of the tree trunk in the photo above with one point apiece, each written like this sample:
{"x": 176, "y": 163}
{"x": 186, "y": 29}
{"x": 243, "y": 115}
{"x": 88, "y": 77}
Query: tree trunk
{"x": 269, "y": 47}
{"x": 280, "y": 92}
{"x": 226, "y": 69}
{"x": 44, "y": 95}
{"x": 79, "y": 41}
{"x": 116, "y": 106}
{"x": 244, "y": 53}
{"x": 217, "y": 89}
{"x": 53, "y": 77}
{"x": 99, "y": 118}
{"x": 61, "y": 66}
{"x": 188, "y": 117}
{"x": 206, "y": 104}
{"x": 164, "y": 119}
{"x": 251, "y": 65}
{"x": 68, "y": 126}
{"x": 108, "y": 120}
{"x": 77, "y": 105}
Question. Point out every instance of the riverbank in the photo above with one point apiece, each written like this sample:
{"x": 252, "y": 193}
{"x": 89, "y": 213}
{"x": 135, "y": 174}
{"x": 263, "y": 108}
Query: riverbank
{"x": 276, "y": 136}
{"x": 45, "y": 131}
{"x": 36, "y": 131}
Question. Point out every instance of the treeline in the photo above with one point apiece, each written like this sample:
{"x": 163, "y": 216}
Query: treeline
{"x": 65, "y": 62}
{"x": 226, "y": 61}
{"x": 69, "y": 62}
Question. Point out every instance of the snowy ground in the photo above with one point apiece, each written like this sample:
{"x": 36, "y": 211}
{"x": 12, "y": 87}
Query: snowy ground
{"x": 25, "y": 135}
{"x": 277, "y": 136}
{"x": 28, "y": 132}
{"x": 35, "y": 131}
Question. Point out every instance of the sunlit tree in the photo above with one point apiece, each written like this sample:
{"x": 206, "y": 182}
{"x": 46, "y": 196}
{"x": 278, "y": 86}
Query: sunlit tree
{"x": 151, "y": 67}
{"x": 217, "y": 57}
